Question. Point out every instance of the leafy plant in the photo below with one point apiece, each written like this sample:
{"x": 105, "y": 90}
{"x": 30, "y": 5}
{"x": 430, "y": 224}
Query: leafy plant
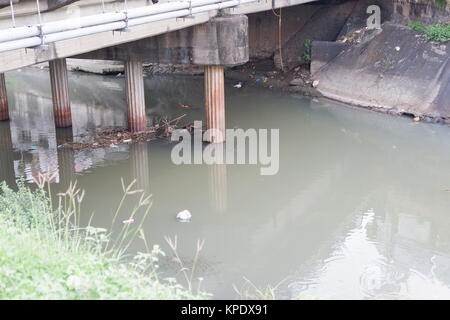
{"x": 306, "y": 55}
{"x": 436, "y": 32}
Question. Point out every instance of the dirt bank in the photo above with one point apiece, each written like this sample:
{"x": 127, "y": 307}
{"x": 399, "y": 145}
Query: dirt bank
{"x": 263, "y": 73}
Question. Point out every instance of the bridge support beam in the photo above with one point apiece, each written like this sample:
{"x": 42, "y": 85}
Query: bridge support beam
{"x": 221, "y": 42}
{"x": 215, "y": 103}
{"x": 137, "y": 119}
{"x": 60, "y": 93}
{"x": 4, "y": 113}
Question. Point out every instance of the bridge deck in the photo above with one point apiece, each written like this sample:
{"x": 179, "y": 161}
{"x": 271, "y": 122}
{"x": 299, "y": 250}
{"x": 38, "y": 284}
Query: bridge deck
{"x": 26, "y": 15}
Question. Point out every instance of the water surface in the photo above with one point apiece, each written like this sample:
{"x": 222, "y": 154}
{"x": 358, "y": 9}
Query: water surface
{"x": 358, "y": 209}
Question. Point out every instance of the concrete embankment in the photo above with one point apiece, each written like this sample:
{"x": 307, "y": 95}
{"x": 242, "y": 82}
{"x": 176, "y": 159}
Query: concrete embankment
{"x": 397, "y": 71}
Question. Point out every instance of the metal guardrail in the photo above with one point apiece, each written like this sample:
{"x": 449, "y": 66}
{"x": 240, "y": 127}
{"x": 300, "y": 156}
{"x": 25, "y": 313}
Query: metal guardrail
{"x": 38, "y": 36}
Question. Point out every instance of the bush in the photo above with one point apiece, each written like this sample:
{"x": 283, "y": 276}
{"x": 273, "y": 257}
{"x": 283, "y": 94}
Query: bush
{"x": 45, "y": 255}
{"x": 306, "y": 55}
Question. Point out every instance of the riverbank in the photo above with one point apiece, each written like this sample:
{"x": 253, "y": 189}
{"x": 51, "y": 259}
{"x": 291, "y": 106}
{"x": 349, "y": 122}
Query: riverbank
{"x": 44, "y": 254}
{"x": 255, "y": 73}
{"x": 398, "y": 70}
{"x": 263, "y": 73}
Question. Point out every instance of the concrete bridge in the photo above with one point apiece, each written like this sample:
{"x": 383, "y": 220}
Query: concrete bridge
{"x": 211, "y": 33}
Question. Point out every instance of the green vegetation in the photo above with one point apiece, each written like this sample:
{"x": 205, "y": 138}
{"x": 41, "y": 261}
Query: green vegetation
{"x": 44, "y": 254}
{"x": 442, "y": 4}
{"x": 436, "y": 32}
{"x": 306, "y": 55}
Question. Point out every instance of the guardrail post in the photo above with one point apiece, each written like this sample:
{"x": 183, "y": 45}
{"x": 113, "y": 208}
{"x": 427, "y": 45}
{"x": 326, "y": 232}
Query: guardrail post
{"x": 215, "y": 103}
{"x": 134, "y": 78}
{"x": 60, "y": 93}
{"x": 4, "y": 113}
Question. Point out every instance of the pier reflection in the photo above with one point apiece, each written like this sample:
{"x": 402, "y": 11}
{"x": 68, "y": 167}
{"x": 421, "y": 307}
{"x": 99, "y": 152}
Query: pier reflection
{"x": 140, "y": 165}
{"x": 34, "y": 145}
{"x": 6, "y": 156}
{"x": 217, "y": 178}
{"x": 354, "y": 212}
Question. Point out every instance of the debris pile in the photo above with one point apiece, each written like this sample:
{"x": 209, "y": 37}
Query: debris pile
{"x": 116, "y": 136}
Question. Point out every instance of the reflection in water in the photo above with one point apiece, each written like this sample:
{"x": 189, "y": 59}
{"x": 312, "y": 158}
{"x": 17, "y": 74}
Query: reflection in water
{"x": 141, "y": 171}
{"x": 218, "y": 187}
{"x": 6, "y": 157}
{"x": 354, "y": 212}
{"x": 379, "y": 267}
{"x": 96, "y": 105}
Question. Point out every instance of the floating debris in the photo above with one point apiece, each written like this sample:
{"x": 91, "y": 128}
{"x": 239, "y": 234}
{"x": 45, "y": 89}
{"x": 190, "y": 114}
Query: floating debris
{"x": 238, "y": 85}
{"x": 184, "y": 216}
{"x": 315, "y": 83}
{"x": 114, "y": 137}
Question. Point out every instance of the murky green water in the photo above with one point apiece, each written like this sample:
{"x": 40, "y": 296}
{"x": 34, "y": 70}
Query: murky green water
{"x": 357, "y": 210}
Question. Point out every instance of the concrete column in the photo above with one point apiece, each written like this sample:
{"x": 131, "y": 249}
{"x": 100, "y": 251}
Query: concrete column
{"x": 4, "y": 114}
{"x": 60, "y": 93}
{"x": 215, "y": 103}
{"x": 137, "y": 120}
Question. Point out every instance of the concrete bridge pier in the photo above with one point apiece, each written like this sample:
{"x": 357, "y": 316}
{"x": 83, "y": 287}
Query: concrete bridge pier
{"x": 215, "y": 103}
{"x": 134, "y": 78}
{"x": 221, "y": 42}
{"x": 4, "y": 113}
{"x": 60, "y": 93}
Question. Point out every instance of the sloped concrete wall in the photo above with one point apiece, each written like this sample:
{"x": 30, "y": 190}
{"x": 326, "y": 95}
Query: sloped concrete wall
{"x": 325, "y": 25}
{"x": 398, "y": 70}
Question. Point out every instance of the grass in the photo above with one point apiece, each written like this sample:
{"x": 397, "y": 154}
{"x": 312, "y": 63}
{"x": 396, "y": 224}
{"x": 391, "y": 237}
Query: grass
{"x": 436, "y": 32}
{"x": 250, "y": 291}
{"x": 44, "y": 254}
{"x": 441, "y": 4}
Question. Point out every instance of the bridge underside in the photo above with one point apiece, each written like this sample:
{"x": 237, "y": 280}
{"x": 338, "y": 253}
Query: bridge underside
{"x": 18, "y": 58}
{"x": 202, "y": 39}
